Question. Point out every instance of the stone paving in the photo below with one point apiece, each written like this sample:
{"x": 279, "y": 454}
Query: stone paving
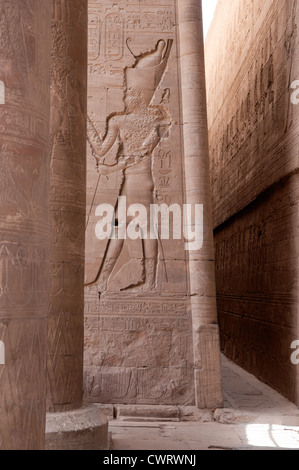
{"x": 255, "y": 417}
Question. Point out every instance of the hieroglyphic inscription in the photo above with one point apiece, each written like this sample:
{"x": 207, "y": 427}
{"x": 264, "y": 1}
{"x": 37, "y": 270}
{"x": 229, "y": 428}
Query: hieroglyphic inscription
{"x": 21, "y": 271}
{"x": 114, "y": 36}
{"x": 150, "y": 19}
{"x": 144, "y": 307}
{"x": 134, "y": 117}
{"x": 24, "y": 220}
{"x": 2, "y": 92}
{"x": 151, "y": 2}
{"x": 94, "y": 33}
{"x": 68, "y": 186}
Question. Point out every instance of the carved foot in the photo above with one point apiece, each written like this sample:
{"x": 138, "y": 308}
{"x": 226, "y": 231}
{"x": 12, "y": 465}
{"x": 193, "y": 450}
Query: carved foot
{"x": 130, "y": 275}
{"x": 105, "y": 274}
{"x": 149, "y": 285}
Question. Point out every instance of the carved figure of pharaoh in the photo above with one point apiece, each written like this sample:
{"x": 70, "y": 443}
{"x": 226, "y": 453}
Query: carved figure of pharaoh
{"x": 127, "y": 147}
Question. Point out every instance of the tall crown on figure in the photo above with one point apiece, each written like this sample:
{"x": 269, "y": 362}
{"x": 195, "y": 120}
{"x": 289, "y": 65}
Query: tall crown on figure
{"x": 147, "y": 72}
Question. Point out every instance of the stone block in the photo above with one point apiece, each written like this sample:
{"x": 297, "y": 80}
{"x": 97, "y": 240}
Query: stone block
{"x": 83, "y": 429}
{"x": 147, "y": 413}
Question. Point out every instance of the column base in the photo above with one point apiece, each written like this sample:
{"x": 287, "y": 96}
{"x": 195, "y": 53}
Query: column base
{"x": 82, "y": 429}
{"x": 207, "y": 372}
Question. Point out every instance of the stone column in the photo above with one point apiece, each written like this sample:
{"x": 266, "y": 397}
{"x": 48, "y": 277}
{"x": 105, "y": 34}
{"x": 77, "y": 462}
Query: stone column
{"x": 197, "y": 186}
{"x": 68, "y": 189}
{"x": 68, "y": 143}
{"x": 24, "y": 221}
{"x": 292, "y": 148}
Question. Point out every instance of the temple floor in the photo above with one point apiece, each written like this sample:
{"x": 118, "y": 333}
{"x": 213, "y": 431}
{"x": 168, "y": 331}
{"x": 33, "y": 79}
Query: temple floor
{"x": 254, "y": 417}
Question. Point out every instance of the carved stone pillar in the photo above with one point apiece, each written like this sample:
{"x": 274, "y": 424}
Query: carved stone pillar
{"x": 24, "y": 221}
{"x": 139, "y": 326}
{"x": 68, "y": 181}
{"x": 68, "y": 144}
{"x": 208, "y": 390}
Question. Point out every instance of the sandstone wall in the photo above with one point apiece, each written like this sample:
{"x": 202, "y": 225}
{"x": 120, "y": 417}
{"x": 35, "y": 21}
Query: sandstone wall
{"x": 251, "y": 61}
{"x": 151, "y": 335}
{"x": 67, "y": 203}
{"x": 24, "y": 221}
{"x": 138, "y": 346}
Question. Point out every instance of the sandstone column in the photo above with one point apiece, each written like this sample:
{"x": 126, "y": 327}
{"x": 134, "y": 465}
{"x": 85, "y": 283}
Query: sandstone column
{"x": 197, "y": 186}
{"x": 24, "y": 221}
{"x": 68, "y": 111}
{"x": 68, "y": 181}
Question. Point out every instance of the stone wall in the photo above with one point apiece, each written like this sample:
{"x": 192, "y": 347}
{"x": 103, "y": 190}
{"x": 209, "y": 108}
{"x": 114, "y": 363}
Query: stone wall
{"x": 151, "y": 335}
{"x": 24, "y": 221}
{"x": 67, "y": 203}
{"x": 137, "y": 343}
{"x": 251, "y": 61}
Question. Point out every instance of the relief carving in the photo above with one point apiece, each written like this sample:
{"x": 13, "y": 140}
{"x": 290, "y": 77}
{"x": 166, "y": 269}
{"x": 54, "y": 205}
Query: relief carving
{"x": 24, "y": 220}
{"x": 13, "y": 46}
{"x": 94, "y": 36}
{"x": 114, "y": 25}
{"x": 127, "y": 149}
{"x": 2, "y": 92}
{"x": 150, "y": 20}
{"x": 21, "y": 271}
{"x": 12, "y": 197}
{"x": 67, "y": 201}
{"x": 142, "y": 322}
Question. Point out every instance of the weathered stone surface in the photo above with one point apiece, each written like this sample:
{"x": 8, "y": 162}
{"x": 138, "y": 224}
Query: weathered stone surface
{"x": 147, "y": 413}
{"x": 206, "y": 347}
{"x": 24, "y": 220}
{"x": 69, "y": 426}
{"x": 68, "y": 181}
{"x": 140, "y": 331}
{"x": 230, "y": 416}
{"x": 106, "y": 410}
{"x": 82, "y": 429}
{"x": 192, "y": 413}
{"x": 139, "y": 385}
{"x": 253, "y": 125}
{"x": 252, "y": 59}
{"x": 257, "y": 294}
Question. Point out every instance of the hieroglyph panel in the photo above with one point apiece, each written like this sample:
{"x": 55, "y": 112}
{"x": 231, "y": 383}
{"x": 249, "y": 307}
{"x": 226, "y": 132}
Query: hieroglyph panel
{"x": 24, "y": 220}
{"x": 135, "y": 151}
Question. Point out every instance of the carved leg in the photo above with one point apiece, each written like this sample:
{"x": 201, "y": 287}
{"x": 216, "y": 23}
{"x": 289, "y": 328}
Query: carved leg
{"x": 105, "y": 274}
{"x": 112, "y": 255}
{"x": 150, "y": 275}
{"x": 132, "y": 273}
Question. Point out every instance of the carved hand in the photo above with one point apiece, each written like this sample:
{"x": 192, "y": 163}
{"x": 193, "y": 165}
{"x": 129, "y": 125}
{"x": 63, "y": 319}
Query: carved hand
{"x": 104, "y": 170}
{"x": 108, "y": 169}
